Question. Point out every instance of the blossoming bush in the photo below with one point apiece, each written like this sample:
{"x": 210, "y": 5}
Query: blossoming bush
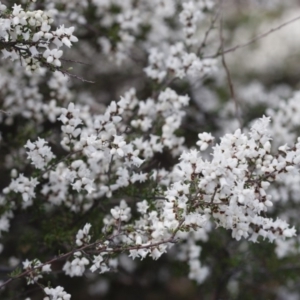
{"x": 157, "y": 159}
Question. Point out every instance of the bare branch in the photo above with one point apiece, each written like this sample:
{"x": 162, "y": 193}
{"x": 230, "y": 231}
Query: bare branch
{"x": 5, "y": 112}
{"x": 65, "y": 72}
{"x": 209, "y": 29}
{"x": 229, "y": 79}
{"x": 256, "y": 38}
{"x": 75, "y": 61}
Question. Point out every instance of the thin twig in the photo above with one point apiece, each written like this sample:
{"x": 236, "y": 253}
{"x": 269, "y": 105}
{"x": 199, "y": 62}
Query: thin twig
{"x": 209, "y": 29}
{"x": 256, "y": 38}
{"x": 65, "y": 72}
{"x": 214, "y": 194}
{"x": 5, "y": 112}
{"x": 102, "y": 249}
{"x": 229, "y": 79}
{"x": 75, "y": 61}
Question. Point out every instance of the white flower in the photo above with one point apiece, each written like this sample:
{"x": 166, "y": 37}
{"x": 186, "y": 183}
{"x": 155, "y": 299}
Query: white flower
{"x": 142, "y": 207}
{"x": 122, "y": 212}
{"x": 205, "y": 140}
{"x": 83, "y": 235}
{"x": 57, "y": 293}
{"x": 39, "y": 153}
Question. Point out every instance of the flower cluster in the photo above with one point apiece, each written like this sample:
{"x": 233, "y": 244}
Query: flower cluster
{"x": 235, "y": 196}
{"x": 77, "y": 266}
{"x": 57, "y": 293}
{"x": 189, "y": 17}
{"x": 177, "y": 62}
{"x": 39, "y": 153}
{"x": 231, "y": 188}
{"x": 24, "y": 186}
{"x": 153, "y": 173}
{"x": 35, "y": 269}
{"x": 83, "y": 235}
{"x": 27, "y": 35}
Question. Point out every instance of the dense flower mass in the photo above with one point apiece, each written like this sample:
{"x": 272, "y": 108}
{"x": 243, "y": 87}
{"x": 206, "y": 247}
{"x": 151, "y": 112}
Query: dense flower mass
{"x": 27, "y": 35}
{"x": 100, "y": 184}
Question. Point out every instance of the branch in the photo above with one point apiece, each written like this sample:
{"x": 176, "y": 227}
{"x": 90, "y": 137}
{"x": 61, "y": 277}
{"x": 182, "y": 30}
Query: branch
{"x": 209, "y": 29}
{"x": 256, "y": 38}
{"x": 5, "y": 112}
{"x": 75, "y": 61}
{"x": 117, "y": 249}
{"x": 229, "y": 79}
{"x": 65, "y": 72}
